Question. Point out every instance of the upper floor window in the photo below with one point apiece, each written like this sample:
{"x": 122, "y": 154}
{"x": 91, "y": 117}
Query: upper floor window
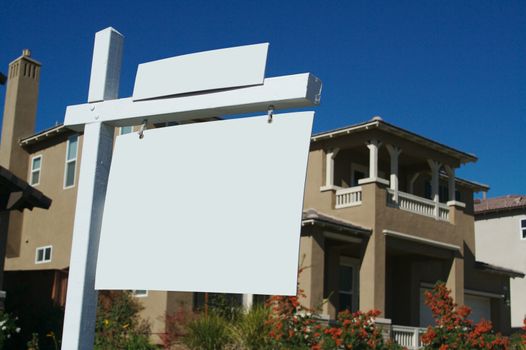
{"x": 43, "y": 254}
{"x": 36, "y": 166}
{"x": 523, "y": 228}
{"x": 71, "y": 161}
{"x": 126, "y": 129}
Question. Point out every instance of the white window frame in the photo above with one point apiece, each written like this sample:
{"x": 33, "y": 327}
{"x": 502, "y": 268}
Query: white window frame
{"x": 140, "y": 295}
{"x": 35, "y": 170}
{"x": 522, "y": 230}
{"x": 71, "y": 161}
{"x": 353, "y": 263}
{"x": 44, "y": 248}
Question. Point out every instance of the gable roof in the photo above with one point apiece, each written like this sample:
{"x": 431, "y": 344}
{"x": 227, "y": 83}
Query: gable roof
{"x": 508, "y": 202}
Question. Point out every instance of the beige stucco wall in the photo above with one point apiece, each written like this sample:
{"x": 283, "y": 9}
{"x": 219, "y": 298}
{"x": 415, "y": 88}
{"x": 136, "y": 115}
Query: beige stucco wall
{"x": 53, "y": 226}
{"x": 499, "y": 242}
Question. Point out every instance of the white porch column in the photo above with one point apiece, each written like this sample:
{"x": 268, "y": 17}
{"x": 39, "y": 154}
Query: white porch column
{"x": 451, "y": 182}
{"x": 81, "y": 302}
{"x": 248, "y": 301}
{"x": 329, "y": 167}
{"x": 394, "y": 153}
{"x": 435, "y": 168}
{"x": 373, "y": 146}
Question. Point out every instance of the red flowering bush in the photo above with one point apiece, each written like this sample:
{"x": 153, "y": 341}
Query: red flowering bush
{"x": 293, "y": 326}
{"x": 453, "y": 329}
{"x": 354, "y": 331}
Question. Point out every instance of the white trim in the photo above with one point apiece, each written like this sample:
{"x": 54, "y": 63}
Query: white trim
{"x": 522, "y": 230}
{"x": 43, "y": 249}
{"x": 35, "y": 170}
{"x": 479, "y": 293}
{"x": 330, "y": 188}
{"x": 370, "y": 180}
{"x": 421, "y": 240}
{"x": 456, "y": 204}
{"x": 73, "y": 160}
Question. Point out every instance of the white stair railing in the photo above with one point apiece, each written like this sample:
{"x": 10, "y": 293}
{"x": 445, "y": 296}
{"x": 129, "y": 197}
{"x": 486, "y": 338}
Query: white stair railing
{"x": 408, "y": 337}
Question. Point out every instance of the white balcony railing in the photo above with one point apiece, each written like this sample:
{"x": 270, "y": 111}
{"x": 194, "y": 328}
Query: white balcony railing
{"x": 348, "y": 197}
{"x": 408, "y": 337}
{"x": 418, "y": 205}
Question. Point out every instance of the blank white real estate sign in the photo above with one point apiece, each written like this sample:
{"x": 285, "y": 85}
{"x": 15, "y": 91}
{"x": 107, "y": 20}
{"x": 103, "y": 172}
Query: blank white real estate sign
{"x": 207, "y": 207}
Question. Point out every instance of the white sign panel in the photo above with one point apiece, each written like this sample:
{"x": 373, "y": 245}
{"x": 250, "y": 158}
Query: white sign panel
{"x": 202, "y": 71}
{"x": 208, "y": 207}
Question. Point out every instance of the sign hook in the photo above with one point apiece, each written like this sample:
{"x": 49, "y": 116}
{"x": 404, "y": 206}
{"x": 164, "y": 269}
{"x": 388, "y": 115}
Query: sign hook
{"x": 270, "y": 113}
{"x": 141, "y": 130}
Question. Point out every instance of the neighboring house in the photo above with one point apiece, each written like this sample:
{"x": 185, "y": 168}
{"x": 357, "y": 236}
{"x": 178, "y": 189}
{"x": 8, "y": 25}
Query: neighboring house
{"x": 500, "y": 229}
{"x": 385, "y": 218}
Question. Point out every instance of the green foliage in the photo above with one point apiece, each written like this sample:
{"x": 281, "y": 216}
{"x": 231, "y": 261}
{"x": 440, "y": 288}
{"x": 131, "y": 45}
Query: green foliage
{"x": 209, "y": 332}
{"x": 118, "y": 325}
{"x": 8, "y": 328}
{"x": 252, "y": 329}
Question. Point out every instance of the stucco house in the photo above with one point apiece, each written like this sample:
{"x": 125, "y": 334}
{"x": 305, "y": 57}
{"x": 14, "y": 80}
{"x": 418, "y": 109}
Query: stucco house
{"x": 500, "y": 231}
{"x": 384, "y": 219}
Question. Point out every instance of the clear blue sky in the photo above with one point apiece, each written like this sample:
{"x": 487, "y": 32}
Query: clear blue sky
{"x": 454, "y": 71}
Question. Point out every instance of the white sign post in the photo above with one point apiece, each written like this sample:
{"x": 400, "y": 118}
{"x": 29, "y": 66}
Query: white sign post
{"x": 198, "y": 94}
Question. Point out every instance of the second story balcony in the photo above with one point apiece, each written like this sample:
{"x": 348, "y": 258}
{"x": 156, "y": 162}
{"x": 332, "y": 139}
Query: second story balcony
{"x": 416, "y": 174}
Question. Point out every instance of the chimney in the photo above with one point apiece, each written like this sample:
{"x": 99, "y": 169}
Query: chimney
{"x": 19, "y": 112}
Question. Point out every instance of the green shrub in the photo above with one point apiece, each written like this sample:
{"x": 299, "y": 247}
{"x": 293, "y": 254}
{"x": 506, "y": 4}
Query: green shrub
{"x": 118, "y": 325}
{"x": 209, "y": 332}
{"x": 252, "y": 330}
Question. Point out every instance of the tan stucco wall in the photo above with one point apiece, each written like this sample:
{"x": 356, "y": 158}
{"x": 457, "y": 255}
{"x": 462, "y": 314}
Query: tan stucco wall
{"x": 499, "y": 243}
{"x": 55, "y": 225}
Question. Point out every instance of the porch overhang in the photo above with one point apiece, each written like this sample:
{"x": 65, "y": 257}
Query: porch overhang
{"x": 339, "y": 229}
{"x": 498, "y": 270}
{"x": 18, "y": 194}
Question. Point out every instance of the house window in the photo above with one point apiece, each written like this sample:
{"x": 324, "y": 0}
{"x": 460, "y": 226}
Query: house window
{"x": 71, "y": 161}
{"x": 126, "y": 130}
{"x": 43, "y": 254}
{"x": 140, "y": 293}
{"x": 523, "y": 228}
{"x": 348, "y": 284}
{"x": 36, "y": 166}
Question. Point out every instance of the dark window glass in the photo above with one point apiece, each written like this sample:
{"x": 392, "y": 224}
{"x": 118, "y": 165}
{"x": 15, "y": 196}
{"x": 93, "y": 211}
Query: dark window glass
{"x": 358, "y": 175}
{"x": 458, "y": 196}
{"x": 427, "y": 190}
{"x": 345, "y": 302}
{"x": 47, "y": 254}
{"x": 523, "y": 223}
{"x": 40, "y": 255}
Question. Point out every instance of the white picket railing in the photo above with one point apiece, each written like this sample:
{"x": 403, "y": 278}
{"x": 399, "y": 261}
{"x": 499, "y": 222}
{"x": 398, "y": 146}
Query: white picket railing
{"x": 418, "y": 205}
{"x": 408, "y": 337}
{"x": 348, "y": 197}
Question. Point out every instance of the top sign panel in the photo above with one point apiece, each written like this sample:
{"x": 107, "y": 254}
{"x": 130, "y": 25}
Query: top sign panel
{"x": 202, "y": 71}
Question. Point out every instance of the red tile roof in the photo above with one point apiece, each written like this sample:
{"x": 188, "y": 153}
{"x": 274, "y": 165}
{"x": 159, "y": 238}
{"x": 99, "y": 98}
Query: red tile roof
{"x": 508, "y": 202}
